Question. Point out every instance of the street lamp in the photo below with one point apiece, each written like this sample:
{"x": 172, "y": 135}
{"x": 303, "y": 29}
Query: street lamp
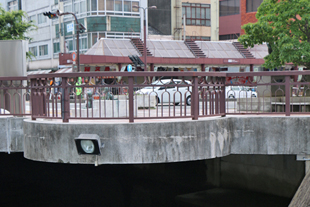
{"x": 60, "y": 13}
{"x": 144, "y": 31}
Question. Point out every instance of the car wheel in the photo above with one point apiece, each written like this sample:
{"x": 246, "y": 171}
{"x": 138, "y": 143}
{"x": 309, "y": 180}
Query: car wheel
{"x": 188, "y": 100}
{"x": 158, "y": 101}
{"x": 231, "y": 96}
{"x": 253, "y": 95}
{"x": 176, "y": 104}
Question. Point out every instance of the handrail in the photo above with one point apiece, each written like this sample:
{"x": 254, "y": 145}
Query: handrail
{"x": 134, "y": 95}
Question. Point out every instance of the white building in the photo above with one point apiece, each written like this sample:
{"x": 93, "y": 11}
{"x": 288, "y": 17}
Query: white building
{"x": 101, "y": 18}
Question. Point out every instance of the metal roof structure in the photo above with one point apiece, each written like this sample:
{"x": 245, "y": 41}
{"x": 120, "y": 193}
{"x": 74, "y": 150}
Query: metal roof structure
{"x": 36, "y": 72}
{"x": 166, "y": 52}
{"x": 64, "y": 70}
{"x": 259, "y": 51}
{"x": 169, "y": 48}
{"x": 219, "y": 49}
{"x": 113, "y": 47}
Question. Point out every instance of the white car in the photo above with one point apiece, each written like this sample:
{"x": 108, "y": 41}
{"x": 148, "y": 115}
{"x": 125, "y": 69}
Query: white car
{"x": 240, "y": 92}
{"x": 165, "y": 88}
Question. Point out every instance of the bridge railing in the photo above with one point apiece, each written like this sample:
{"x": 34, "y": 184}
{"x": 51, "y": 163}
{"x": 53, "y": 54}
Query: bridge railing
{"x": 14, "y": 94}
{"x": 163, "y": 95}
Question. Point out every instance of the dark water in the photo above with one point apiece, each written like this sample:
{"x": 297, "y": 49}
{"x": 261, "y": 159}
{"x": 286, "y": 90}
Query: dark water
{"x": 29, "y": 183}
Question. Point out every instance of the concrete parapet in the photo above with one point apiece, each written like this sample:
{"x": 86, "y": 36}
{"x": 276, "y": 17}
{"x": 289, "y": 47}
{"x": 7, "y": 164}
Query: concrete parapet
{"x": 12, "y": 135}
{"x": 168, "y": 141}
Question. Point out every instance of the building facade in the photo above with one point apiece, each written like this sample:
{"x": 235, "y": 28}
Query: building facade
{"x": 10, "y": 5}
{"x": 101, "y": 18}
{"x": 189, "y": 19}
{"x": 235, "y": 13}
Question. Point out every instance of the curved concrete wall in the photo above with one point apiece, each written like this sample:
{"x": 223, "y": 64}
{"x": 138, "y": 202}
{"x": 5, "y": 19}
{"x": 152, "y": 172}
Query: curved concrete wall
{"x": 128, "y": 143}
{"x": 168, "y": 141}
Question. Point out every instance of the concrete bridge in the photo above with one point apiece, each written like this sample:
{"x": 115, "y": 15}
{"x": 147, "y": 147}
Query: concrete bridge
{"x": 168, "y": 141}
{"x": 264, "y": 151}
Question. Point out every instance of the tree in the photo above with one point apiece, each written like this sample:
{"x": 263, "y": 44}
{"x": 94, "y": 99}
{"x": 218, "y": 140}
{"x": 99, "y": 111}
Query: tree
{"x": 14, "y": 26}
{"x": 285, "y": 26}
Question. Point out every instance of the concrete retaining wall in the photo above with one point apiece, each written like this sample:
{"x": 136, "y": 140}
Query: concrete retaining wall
{"x": 274, "y": 174}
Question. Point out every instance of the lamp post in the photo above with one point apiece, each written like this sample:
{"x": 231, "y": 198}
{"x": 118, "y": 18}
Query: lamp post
{"x": 60, "y": 13}
{"x": 144, "y": 32}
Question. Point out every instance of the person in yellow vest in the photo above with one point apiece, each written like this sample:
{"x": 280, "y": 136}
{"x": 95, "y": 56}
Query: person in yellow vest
{"x": 78, "y": 90}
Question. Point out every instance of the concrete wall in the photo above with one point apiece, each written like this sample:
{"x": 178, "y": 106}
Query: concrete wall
{"x": 148, "y": 142}
{"x": 12, "y": 135}
{"x": 13, "y": 57}
{"x": 278, "y": 174}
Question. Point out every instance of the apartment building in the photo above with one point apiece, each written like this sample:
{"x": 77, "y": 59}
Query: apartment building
{"x": 101, "y": 18}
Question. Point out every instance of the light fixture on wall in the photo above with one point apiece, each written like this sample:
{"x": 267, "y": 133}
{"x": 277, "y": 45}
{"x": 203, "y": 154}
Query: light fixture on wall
{"x": 88, "y": 144}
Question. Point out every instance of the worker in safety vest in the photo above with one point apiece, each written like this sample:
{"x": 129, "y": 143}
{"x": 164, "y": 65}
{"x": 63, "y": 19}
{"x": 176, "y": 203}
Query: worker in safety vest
{"x": 78, "y": 89}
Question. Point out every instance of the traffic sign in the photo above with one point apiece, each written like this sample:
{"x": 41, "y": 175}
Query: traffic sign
{"x": 70, "y": 27}
{"x": 74, "y": 56}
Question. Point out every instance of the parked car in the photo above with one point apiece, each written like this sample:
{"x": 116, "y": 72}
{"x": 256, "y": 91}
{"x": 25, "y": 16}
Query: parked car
{"x": 162, "y": 89}
{"x": 240, "y": 92}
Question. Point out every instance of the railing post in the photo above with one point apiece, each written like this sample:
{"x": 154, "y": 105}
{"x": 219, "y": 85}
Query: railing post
{"x": 131, "y": 104}
{"x": 65, "y": 100}
{"x": 223, "y": 97}
{"x": 32, "y": 99}
{"x": 195, "y": 99}
{"x": 287, "y": 95}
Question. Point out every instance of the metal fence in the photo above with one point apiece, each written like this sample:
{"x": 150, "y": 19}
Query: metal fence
{"x": 155, "y": 95}
{"x": 14, "y": 95}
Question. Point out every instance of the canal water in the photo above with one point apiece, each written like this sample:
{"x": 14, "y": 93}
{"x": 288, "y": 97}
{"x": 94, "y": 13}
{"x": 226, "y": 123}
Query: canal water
{"x": 28, "y": 183}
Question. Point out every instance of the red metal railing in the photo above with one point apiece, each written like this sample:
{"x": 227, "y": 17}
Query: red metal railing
{"x": 14, "y": 96}
{"x": 162, "y": 95}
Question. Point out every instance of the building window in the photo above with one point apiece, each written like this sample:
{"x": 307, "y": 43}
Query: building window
{"x": 68, "y": 7}
{"x": 229, "y": 36}
{"x": 41, "y": 18}
{"x": 252, "y": 5}
{"x": 33, "y": 18}
{"x": 114, "y": 7}
{"x": 199, "y": 38}
{"x": 56, "y": 47}
{"x": 13, "y": 6}
{"x": 110, "y": 5}
{"x": 196, "y": 14}
{"x": 135, "y": 6}
{"x": 83, "y": 42}
{"x": 33, "y": 50}
{"x": 43, "y": 50}
{"x": 79, "y": 6}
{"x": 230, "y": 7}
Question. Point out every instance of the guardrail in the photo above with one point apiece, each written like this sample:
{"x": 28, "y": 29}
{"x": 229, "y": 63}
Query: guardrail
{"x": 160, "y": 95}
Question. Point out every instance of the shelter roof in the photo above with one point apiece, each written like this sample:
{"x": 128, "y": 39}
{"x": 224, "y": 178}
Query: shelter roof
{"x": 259, "y": 51}
{"x": 219, "y": 49}
{"x": 169, "y": 48}
{"x": 38, "y": 72}
{"x": 113, "y": 47}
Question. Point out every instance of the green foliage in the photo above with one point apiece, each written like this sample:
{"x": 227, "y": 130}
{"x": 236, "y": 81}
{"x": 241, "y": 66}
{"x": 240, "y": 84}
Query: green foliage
{"x": 285, "y": 26}
{"x": 13, "y": 26}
